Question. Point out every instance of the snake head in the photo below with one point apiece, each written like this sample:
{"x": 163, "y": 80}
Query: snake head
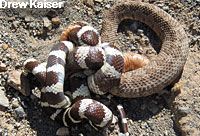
{"x": 81, "y": 33}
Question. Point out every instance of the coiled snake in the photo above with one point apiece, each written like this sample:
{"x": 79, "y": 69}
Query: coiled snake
{"x": 65, "y": 59}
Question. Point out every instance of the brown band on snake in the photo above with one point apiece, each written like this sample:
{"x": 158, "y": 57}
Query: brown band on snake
{"x": 32, "y": 66}
{"x": 65, "y": 34}
{"x": 95, "y": 58}
{"x": 78, "y": 86}
{"x": 110, "y": 72}
{"x": 86, "y": 57}
{"x": 168, "y": 64}
{"x": 97, "y": 114}
{"x": 123, "y": 119}
{"x": 72, "y": 36}
{"x": 90, "y": 37}
{"x": 52, "y": 59}
{"x": 53, "y": 91}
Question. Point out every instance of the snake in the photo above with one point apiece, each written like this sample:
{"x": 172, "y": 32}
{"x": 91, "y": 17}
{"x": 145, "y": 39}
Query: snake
{"x": 67, "y": 58}
{"x": 166, "y": 66}
{"x": 111, "y": 71}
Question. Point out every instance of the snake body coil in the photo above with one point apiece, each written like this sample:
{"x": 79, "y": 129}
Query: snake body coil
{"x": 81, "y": 49}
{"x": 166, "y": 66}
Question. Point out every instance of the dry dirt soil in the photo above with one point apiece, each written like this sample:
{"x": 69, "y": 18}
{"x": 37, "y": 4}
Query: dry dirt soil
{"x": 28, "y": 33}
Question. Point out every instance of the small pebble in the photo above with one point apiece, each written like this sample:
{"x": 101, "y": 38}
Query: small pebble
{"x": 20, "y": 112}
{"x": 184, "y": 110}
{"x": 15, "y": 24}
{"x": 14, "y": 79}
{"x": 55, "y": 20}
{"x": 11, "y": 18}
{"x": 28, "y": 19}
{"x": 107, "y": 6}
{"x": 161, "y": 5}
{"x": 17, "y": 125}
{"x": 172, "y": 4}
{"x": 140, "y": 31}
{"x": 98, "y": 1}
{"x": 46, "y": 22}
{"x": 166, "y": 8}
{"x": 89, "y": 3}
{"x": 4, "y": 103}
{"x": 63, "y": 131}
{"x": 2, "y": 66}
{"x": 5, "y": 46}
{"x": 15, "y": 103}
{"x": 122, "y": 134}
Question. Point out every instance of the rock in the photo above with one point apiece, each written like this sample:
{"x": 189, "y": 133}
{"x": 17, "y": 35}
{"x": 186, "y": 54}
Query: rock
{"x": 174, "y": 5}
{"x": 108, "y": 6}
{"x": 18, "y": 81}
{"x": 89, "y": 3}
{"x": 166, "y": 8}
{"x": 47, "y": 22}
{"x": 11, "y": 18}
{"x": 121, "y": 134}
{"x": 62, "y": 131}
{"x": 98, "y": 1}
{"x": 150, "y": 123}
{"x": 2, "y": 66}
{"x": 4, "y": 103}
{"x": 20, "y": 112}
{"x": 15, "y": 103}
{"x": 55, "y": 20}
{"x": 161, "y": 5}
{"x": 5, "y": 46}
{"x": 15, "y": 24}
{"x": 14, "y": 79}
{"x": 28, "y": 19}
{"x": 140, "y": 31}
{"x": 184, "y": 110}
{"x": 17, "y": 125}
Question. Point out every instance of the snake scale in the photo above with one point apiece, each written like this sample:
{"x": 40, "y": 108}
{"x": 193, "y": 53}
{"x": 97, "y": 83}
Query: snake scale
{"x": 113, "y": 74}
{"x": 168, "y": 64}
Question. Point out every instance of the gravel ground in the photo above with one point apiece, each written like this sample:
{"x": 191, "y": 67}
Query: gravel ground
{"x": 31, "y": 33}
